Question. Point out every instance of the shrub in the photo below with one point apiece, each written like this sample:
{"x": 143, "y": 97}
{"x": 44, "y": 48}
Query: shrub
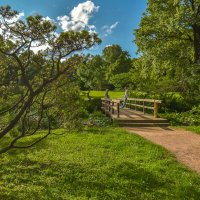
{"x": 191, "y": 118}
{"x": 171, "y": 102}
{"x": 93, "y": 104}
{"x": 99, "y": 119}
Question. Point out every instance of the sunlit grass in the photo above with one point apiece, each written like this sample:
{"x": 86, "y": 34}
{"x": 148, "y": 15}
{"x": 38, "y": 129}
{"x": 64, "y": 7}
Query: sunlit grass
{"x": 101, "y": 94}
{"x": 106, "y": 163}
{"x": 195, "y": 129}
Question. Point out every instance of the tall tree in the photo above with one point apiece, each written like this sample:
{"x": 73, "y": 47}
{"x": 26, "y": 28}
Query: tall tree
{"x": 117, "y": 60}
{"x": 168, "y": 41}
{"x": 92, "y": 72}
{"x": 27, "y": 78}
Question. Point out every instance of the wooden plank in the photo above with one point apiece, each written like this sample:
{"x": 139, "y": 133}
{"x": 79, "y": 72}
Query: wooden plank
{"x": 137, "y": 105}
{"x": 141, "y": 106}
{"x": 141, "y": 100}
{"x": 147, "y": 107}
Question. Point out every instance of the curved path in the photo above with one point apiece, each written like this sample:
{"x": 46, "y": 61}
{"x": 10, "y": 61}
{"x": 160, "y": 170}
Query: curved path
{"x": 184, "y": 144}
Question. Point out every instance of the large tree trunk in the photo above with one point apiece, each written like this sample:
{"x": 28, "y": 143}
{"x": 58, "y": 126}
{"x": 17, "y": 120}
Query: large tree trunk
{"x": 196, "y": 32}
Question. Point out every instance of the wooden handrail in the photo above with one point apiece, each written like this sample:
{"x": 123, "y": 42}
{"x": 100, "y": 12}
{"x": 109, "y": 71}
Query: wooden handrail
{"x": 143, "y": 106}
{"x": 112, "y": 105}
{"x": 145, "y": 100}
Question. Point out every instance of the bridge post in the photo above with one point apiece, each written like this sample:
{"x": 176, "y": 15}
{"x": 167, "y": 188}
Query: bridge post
{"x": 135, "y": 105}
{"x": 155, "y": 109}
{"x": 118, "y": 109}
{"x": 113, "y": 111}
{"x": 143, "y": 107}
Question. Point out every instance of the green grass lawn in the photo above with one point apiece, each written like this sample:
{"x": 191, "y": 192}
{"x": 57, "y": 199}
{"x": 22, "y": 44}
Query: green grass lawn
{"x": 113, "y": 94}
{"x": 99, "y": 164}
{"x": 195, "y": 129}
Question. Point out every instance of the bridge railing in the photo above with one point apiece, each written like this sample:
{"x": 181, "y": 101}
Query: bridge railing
{"x": 144, "y": 104}
{"x": 111, "y": 106}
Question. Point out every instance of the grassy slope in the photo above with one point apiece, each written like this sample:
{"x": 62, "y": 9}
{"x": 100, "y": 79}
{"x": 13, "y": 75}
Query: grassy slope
{"x": 97, "y": 164}
{"x": 112, "y": 94}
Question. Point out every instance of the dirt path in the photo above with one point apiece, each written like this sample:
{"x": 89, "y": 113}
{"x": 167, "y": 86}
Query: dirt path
{"x": 184, "y": 144}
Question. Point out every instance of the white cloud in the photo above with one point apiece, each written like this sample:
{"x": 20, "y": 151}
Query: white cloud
{"x": 38, "y": 47}
{"x": 108, "y": 30}
{"x": 83, "y": 12}
{"x": 79, "y": 17}
{"x": 47, "y": 18}
{"x": 108, "y": 45}
{"x": 20, "y": 15}
{"x": 4, "y": 31}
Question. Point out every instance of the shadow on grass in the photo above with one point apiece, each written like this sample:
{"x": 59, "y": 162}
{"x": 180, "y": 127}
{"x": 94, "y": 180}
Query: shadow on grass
{"x": 123, "y": 181}
{"x": 71, "y": 179}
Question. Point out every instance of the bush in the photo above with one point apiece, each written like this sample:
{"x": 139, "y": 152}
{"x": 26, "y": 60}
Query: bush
{"x": 99, "y": 119}
{"x": 171, "y": 102}
{"x": 93, "y": 104}
{"x": 189, "y": 118}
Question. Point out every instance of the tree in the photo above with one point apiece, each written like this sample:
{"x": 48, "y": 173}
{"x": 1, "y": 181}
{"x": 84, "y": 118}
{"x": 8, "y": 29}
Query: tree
{"x": 168, "y": 40}
{"x": 117, "y": 60}
{"x": 122, "y": 80}
{"x": 28, "y": 79}
{"x": 92, "y": 72}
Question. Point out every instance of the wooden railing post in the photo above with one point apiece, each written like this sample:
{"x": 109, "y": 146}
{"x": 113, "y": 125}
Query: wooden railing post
{"x": 135, "y": 105}
{"x": 118, "y": 109}
{"x": 113, "y": 110}
{"x": 155, "y": 109}
{"x": 143, "y": 107}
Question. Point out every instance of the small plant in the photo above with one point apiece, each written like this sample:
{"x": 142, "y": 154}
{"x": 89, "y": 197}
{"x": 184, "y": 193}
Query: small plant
{"x": 189, "y": 118}
{"x": 98, "y": 119}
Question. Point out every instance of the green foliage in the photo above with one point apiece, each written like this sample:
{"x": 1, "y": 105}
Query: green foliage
{"x": 96, "y": 164}
{"x": 171, "y": 101}
{"x": 168, "y": 40}
{"x": 98, "y": 119}
{"x": 66, "y": 107}
{"x": 38, "y": 86}
{"x": 122, "y": 80}
{"x": 189, "y": 118}
{"x": 96, "y": 72}
{"x": 92, "y": 72}
{"x": 93, "y": 104}
{"x": 117, "y": 60}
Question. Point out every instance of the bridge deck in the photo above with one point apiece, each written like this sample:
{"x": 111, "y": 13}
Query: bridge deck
{"x": 128, "y": 114}
{"x": 128, "y": 117}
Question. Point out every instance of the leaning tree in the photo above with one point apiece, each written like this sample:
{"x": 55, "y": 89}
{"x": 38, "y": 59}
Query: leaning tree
{"x": 35, "y": 61}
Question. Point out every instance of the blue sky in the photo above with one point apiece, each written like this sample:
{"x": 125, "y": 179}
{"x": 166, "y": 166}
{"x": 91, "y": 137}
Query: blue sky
{"x": 113, "y": 20}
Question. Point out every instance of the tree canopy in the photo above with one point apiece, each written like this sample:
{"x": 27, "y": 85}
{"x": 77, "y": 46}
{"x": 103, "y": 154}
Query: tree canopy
{"x": 168, "y": 40}
{"x": 29, "y": 78}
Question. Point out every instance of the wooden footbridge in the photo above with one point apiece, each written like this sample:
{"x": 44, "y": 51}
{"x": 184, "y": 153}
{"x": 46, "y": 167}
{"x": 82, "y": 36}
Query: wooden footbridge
{"x": 136, "y": 112}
